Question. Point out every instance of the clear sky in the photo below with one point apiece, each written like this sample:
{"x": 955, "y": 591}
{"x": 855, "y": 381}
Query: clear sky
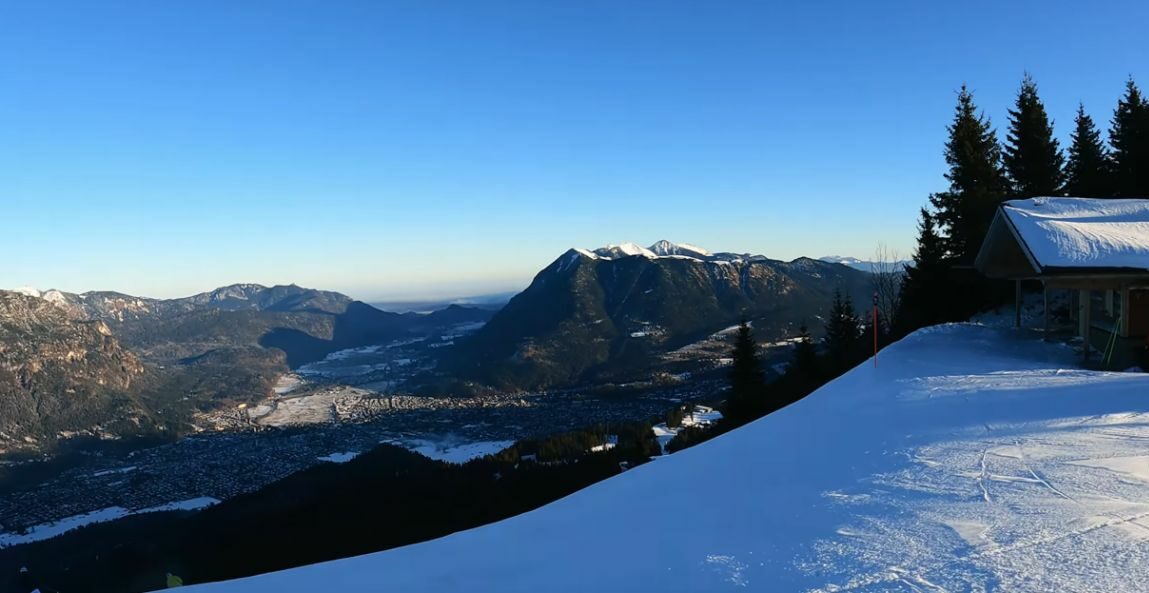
{"x": 424, "y": 148}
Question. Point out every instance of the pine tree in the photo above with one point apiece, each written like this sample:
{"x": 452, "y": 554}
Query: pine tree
{"x": 924, "y": 287}
{"x": 977, "y": 181}
{"x": 1088, "y": 171}
{"x": 842, "y": 332}
{"x": 1033, "y": 161}
{"x": 1129, "y": 137}
{"x": 747, "y": 383}
{"x": 805, "y": 364}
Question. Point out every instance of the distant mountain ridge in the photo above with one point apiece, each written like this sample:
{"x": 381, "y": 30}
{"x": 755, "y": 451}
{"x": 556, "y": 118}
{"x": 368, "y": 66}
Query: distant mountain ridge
{"x": 865, "y": 265}
{"x": 117, "y": 307}
{"x": 593, "y": 312}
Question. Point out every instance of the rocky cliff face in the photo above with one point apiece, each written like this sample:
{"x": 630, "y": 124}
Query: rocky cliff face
{"x": 58, "y": 371}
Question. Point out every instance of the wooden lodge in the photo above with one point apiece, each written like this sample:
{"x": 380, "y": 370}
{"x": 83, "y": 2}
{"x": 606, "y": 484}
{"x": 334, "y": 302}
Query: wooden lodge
{"x": 1098, "y": 249}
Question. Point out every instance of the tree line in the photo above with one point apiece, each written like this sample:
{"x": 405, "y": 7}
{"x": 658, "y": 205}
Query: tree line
{"x": 940, "y": 285}
{"x": 983, "y": 173}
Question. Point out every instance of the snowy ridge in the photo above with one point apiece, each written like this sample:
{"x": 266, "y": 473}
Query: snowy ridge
{"x": 660, "y": 250}
{"x": 1082, "y": 232}
{"x": 971, "y": 459}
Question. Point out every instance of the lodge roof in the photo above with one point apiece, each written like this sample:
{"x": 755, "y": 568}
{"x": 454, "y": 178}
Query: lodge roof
{"x": 1067, "y": 236}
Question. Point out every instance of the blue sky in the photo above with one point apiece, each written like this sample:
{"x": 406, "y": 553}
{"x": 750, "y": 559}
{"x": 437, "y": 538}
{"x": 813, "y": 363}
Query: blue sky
{"x": 404, "y": 149}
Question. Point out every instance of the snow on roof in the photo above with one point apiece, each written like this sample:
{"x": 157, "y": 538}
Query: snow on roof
{"x": 1083, "y": 232}
{"x": 970, "y": 459}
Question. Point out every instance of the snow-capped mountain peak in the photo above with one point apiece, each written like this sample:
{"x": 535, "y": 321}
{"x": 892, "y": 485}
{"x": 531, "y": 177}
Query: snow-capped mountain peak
{"x": 623, "y": 250}
{"x": 51, "y": 295}
{"x": 661, "y": 248}
{"x": 665, "y": 248}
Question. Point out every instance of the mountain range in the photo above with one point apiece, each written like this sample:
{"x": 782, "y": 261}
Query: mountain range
{"x": 80, "y": 362}
{"x": 592, "y": 314}
{"x": 75, "y": 362}
{"x": 866, "y": 265}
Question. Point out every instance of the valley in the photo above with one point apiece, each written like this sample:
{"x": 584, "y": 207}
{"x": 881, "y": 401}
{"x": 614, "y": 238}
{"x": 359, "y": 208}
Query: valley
{"x": 248, "y": 385}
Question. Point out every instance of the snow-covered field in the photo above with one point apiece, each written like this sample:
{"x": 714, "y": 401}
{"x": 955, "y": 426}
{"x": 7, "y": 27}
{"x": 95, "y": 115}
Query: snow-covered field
{"x": 702, "y": 416}
{"x": 50, "y": 530}
{"x": 449, "y": 448}
{"x": 453, "y": 450}
{"x": 971, "y": 459}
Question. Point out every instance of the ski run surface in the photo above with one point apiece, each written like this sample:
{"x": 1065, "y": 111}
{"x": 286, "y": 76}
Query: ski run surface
{"x": 972, "y": 459}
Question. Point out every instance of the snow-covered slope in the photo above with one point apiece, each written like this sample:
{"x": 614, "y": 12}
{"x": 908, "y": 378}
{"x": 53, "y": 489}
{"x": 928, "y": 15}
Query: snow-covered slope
{"x": 971, "y": 459}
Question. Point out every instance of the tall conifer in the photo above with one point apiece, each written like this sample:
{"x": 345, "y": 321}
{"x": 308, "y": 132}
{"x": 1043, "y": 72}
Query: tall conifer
{"x": 1129, "y": 137}
{"x": 1032, "y": 158}
{"x": 924, "y": 298}
{"x": 977, "y": 181}
{"x": 747, "y": 382}
{"x": 1088, "y": 172}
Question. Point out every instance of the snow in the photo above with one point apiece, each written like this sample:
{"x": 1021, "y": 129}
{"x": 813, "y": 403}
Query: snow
{"x": 866, "y": 265}
{"x": 121, "y": 470}
{"x": 660, "y": 250}
{"x": 623, "y": 250}
{"x": 611, "y": 442}
{"x": 666, "y": 248}
{"x": 50, "y": 530}
{"x": 1083, "y": 232}
{"x": 287, "y": 383}
{"x": 449, "y": 448}
{"x": 339, "y": 457}
{"x": 452, "y": 450}
{"x": 191, "y": 504}
{"x": 972, "y": 459}
{"x": 702, "y": 416}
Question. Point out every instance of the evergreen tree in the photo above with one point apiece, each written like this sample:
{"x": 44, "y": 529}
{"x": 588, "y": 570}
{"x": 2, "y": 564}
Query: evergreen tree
{"x": 1129, "y": 137}
{"x": 977, "y": 181}
{"x": 843, "y": 336}
{"x": 924, "y": 287}
{"x": 747, "y": 383}
{"x": 1088, "y": 170}
{"x": 1033, "y": 161}
{"x": 805, "y": 365}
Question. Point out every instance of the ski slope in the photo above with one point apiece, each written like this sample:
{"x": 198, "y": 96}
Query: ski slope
{"x": 972, "y": 459}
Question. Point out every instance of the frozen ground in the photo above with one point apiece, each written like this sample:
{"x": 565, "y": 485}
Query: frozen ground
{"x": 451, "y": 448}
{"x": 50, "y": 530}
{"x": 702, "y": 416}
{"x": 972, "y": 459}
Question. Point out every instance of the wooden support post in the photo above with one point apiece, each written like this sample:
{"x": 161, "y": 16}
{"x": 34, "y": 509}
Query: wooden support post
{"x": 1017, "y": 304}
{"x": 1123, "y": 321}
{"x": 1045, "y": 312}
{"x": 1086, "y": 323}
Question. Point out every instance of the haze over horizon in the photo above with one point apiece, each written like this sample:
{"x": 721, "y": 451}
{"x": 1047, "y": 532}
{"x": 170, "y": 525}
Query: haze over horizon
{"x": 402, "y": 151}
